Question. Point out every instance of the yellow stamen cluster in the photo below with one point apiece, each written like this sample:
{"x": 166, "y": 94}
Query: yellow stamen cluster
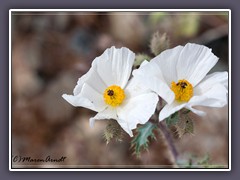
{"x": 114, "y": 95}
{"x": 183, "y": 90}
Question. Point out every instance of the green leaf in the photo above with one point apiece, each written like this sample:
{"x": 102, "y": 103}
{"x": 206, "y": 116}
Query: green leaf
{"x": 141, "y": 140}
{"x": 172, "y": 120}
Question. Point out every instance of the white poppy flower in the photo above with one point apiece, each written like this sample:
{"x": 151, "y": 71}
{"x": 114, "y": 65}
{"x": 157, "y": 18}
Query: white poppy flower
{"x": 106, "y": 89}
{"x": 178, "y": 75}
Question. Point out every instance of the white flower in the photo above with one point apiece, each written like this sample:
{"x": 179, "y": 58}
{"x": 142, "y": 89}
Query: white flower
{"x": 178, "y": 75}
{"x": 105, "y": 89}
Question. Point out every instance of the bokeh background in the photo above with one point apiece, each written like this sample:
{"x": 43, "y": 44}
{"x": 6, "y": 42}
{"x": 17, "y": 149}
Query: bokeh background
{"x": 51, "y": 50}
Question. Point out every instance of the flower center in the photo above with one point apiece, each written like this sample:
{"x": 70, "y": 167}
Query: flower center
{"x": 183, "y": 90}
{"x": 114, "y": 95}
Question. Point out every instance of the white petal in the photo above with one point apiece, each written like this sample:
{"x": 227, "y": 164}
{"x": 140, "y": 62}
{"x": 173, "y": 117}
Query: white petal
{"x": 196, "y": 111}
{"x": 108, "y": 113}
{"x": 210, "y": 80}
{"x": 81, "y": 81}
{"x": 78, "y": 100}
{"x": 167, "y": 62}
{"x": 112, "y": 67}
{"x": 195, "y": 62}
{"x": 88, "y": 98}
{"x": 145, "y": 62}
{"x": 115, "y": 66}
{"x": 159, "y": 73}
{"x": 93, "y": 79}
{"x": 136, "y": 110}
{"x": 135, "y": 88}
{"x": 95, "y": 97}
{"x": 216, "y": 96}
{"x": 150, "y": 76}
{"x": 211, "y": 92}
{"x": 170, "y": 109}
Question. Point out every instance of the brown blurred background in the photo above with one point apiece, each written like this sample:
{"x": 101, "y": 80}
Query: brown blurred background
{"x": 51, "y": 50}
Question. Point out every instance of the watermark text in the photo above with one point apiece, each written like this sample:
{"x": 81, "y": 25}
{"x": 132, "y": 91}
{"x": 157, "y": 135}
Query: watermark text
{"x": 29, "y": 159}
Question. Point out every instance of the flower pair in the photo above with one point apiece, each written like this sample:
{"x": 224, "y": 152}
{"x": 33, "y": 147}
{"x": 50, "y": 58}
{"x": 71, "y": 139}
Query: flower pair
{"x": 177, "y": 75}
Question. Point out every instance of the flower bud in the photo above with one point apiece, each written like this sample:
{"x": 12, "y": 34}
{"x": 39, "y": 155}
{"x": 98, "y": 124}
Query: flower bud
{"x": 113, "y": 130}
{"x": 139, "y": 59}
{"x": 159, "y": 43}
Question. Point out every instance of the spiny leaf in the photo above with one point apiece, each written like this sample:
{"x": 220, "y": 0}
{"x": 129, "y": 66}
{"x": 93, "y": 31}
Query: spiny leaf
{"x": 189, "y": 128}
{"x": 184, "y": 125}
{"x": 172, "y": 120}
{"x": 141, "y": 140}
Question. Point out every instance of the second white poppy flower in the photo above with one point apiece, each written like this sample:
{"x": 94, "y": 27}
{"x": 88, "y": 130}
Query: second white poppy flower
{"x": 179, "y": 76}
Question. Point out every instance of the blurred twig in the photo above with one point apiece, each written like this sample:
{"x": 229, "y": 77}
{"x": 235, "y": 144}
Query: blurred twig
{"x": 212, "y": 34}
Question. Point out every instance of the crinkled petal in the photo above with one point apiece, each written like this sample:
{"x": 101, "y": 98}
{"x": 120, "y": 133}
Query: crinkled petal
{"x": 135, "y": 88}
{"x": 170, "y": 109}
{"x": 115, "y": 65}
{"x": 137, "y": 110}
{"x": 93, "y": 79}
{"x": 196, "y": 111}
{"x": 195, "y": 62}
{"x": 150, "y": 76}
{"x": 79, "y": 101}
{"x": 167, "y": 61}
{"x": 138, "y": 107}
{"x": 88, "y": 98}
{"x": 81, "y": 81}
{"x": 216, "y": 96}
{"x": 108, "y": 113}
{"x": 210, "y": 80}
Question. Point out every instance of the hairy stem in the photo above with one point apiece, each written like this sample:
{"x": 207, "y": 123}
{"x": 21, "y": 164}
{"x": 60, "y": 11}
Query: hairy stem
{"x": 169, "y": 139}
{"x": 165, "y": 130}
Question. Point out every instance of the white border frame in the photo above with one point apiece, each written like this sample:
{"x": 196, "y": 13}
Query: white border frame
{"x": 117, "y": 10}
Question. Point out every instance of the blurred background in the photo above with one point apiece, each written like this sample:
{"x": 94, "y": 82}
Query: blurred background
{"x": 51, "y": 50}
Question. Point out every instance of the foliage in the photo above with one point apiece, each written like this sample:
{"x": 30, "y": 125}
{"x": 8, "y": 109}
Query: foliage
{"x": 181, "y": 122}
{"x": 172, "y": 120}
{"x": 141, "y": 140}
{"x": 184, "y": 125}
